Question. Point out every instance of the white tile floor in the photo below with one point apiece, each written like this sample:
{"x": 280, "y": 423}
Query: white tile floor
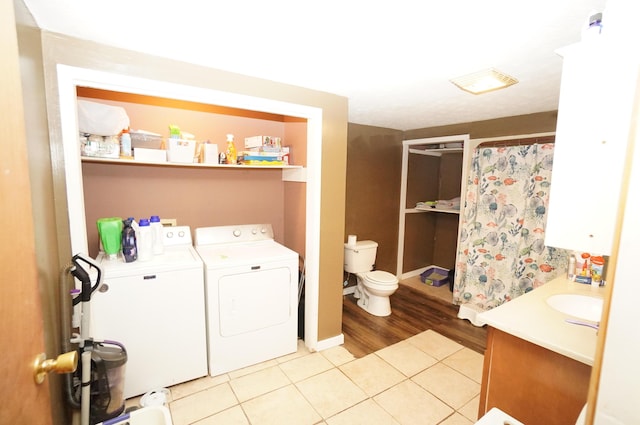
{"x": 426, "y": 379}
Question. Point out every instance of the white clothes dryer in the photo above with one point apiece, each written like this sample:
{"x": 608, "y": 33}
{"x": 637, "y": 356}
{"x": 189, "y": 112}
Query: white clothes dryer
{"x": 156, "y": 310}
{"x": 251, "y": 286}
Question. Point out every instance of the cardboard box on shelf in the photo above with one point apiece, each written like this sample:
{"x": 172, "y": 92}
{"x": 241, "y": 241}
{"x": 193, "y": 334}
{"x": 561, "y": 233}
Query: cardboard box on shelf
{"x": 259, "y": 141}
{"x": 210, "y": 153}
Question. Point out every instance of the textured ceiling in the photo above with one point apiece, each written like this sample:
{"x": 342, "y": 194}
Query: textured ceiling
{"x": 391, "y": 59}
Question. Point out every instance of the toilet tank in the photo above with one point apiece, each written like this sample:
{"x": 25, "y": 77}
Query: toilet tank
{"x": 361, "y": 257}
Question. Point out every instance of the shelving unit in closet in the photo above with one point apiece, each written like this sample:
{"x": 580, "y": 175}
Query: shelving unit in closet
{"x": 206, "y": 121}
{"x": 215, "y": 193}
{"x": 431, "y": 171}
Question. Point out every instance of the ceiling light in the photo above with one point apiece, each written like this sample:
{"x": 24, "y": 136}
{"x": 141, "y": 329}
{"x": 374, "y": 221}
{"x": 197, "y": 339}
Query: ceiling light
{"x": 484, "y": 81}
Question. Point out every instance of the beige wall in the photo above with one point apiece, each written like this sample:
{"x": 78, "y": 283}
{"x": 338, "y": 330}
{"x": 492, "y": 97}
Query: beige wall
{"x": 295, "y": 203}
{"x": 374, "y": 162}
{"x": 195, "y": 197}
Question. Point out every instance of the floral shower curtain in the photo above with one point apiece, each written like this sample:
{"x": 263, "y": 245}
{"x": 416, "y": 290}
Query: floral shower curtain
{"x": 501, "y": 251}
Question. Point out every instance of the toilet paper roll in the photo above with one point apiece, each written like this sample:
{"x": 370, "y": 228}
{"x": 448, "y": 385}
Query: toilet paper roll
{"x": 351, "y": 240}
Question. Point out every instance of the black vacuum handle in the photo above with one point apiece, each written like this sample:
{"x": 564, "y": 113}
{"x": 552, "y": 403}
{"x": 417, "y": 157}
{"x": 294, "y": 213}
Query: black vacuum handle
{"x": 81, "y": 274}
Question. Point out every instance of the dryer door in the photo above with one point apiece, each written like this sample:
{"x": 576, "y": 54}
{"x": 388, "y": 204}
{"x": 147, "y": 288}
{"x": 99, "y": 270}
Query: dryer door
{"x": 254, "y": 300}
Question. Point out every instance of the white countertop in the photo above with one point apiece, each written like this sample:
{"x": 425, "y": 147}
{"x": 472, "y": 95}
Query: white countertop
{"x": 530, "y": 318}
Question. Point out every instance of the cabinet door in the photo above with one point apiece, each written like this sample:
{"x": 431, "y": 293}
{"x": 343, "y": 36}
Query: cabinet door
{"x": 531, "y": 383}
{"x": 594, "y": 123}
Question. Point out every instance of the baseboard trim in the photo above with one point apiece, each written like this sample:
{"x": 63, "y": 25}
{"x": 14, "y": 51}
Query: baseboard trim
{"x": 330, "y": 342}
{"x": 413, "y": 273}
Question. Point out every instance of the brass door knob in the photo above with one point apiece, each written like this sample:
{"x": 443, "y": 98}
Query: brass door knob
{"x": 65, "y": 363}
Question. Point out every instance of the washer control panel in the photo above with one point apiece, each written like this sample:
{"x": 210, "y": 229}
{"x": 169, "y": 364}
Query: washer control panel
{"x": 176, "y": 235}
{"x": 233, "y": 234}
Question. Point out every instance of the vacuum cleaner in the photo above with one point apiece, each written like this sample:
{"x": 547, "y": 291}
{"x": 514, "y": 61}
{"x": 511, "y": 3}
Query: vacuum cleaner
{"x": 96, "y": 388}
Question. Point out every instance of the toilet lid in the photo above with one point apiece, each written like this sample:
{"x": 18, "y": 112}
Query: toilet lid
{"x": 382, "y": 277}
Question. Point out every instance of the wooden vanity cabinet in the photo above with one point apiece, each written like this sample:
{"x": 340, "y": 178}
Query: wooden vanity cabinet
{"x": 531, "y": 383}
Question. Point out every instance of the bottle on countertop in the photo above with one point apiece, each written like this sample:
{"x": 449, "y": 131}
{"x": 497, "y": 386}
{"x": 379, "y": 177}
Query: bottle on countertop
{"x": 129, "y": 243}
{"x": 571, "y": 272}
{"x": 593, "y": 27}
{"x": 597, "y": 270}
{"x": 585, "y": 269}
{"x": 231, "y": 153}
{"x": 145, "y": 240}
{"x": 158, "y": 235}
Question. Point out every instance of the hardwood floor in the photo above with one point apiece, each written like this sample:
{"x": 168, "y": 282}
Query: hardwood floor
{"x": 412, "y": 312}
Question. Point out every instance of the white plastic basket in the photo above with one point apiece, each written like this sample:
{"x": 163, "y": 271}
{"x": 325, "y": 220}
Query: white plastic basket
{"x": 151, "y": 415}
{"x": 181, "y": 150}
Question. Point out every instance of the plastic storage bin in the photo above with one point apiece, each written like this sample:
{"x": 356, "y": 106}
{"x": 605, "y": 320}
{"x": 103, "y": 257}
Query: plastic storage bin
{"x": 143, "y": 139}
{"x": 150, "y": 415}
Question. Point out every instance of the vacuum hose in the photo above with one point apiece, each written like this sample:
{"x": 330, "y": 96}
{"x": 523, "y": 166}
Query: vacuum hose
{"x": 65, "y": 318}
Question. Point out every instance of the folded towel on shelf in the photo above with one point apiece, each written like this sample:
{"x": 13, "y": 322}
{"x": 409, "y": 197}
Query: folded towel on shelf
{"x": 448, "y": 204}
{"x": 426, "y": 204}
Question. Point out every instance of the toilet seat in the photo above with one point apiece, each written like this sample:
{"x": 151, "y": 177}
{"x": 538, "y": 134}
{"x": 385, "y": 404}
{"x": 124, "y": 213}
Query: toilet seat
{"x": 381, "y": 278}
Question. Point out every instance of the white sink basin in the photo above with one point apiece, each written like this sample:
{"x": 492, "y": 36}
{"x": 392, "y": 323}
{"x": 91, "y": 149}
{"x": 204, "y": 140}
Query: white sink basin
{"x": 580, "y": 306}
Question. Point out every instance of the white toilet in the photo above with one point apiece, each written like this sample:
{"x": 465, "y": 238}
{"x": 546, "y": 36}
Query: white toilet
{"x": 374, "y": 287}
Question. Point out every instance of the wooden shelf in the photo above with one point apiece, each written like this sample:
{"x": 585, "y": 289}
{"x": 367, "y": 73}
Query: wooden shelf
{"x": 179, "y": 164}
{"x": 433, "y": 210}
{"x": 436, "y": 151}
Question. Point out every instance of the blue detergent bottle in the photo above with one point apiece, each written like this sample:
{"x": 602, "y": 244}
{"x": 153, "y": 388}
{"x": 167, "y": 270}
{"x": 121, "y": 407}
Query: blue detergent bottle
{"x": 129, "y": 243}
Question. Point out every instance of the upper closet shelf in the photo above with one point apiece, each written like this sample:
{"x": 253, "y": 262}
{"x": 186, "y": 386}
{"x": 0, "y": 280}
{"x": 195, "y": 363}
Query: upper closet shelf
{"x": 435, "y": 210}
{"x": 434, "y": 151}
{"x": 181, "y": 164}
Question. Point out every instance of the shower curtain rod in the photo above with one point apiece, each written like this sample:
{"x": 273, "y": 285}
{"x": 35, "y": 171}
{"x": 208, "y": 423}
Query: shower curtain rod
{"x": 517, "y": 142}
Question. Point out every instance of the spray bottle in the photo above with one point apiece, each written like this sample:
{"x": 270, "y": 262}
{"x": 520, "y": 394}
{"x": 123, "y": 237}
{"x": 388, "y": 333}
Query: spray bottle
{"x": 232, "y": 155}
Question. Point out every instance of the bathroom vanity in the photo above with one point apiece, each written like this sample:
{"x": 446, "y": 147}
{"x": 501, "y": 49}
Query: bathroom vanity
{"x": 537, "y": 366}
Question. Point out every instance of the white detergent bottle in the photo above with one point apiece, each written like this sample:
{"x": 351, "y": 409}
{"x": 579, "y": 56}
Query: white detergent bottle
{"x": 158, "y": 235}
{"x": 145, "y": 240}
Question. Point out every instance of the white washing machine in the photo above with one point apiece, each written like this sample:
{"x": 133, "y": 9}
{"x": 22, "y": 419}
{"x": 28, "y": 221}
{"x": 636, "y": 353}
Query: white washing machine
{"x": 251, "y": 285}
{"x": 156, "y": 310}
